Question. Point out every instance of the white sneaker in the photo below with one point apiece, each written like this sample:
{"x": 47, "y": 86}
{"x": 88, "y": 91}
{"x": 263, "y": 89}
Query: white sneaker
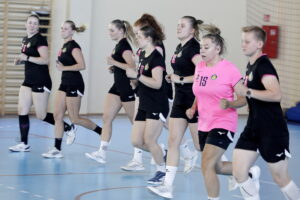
{"x": 21, "y": 147}
{"x": 133, "y": 165}
{"x": 255, "y": 171}
{"x": 97, "y": 156}
{"x": 189, "y": 163}
{"x": 162, "y": 190}
{"x": 53, "y": 153}
{"x": 71, "y": 134}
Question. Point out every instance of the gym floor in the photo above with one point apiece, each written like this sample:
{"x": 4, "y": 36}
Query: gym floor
{"x": 29, "y": 176}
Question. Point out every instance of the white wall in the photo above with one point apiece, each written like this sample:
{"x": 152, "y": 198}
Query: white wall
{"x": 228, "y": 15}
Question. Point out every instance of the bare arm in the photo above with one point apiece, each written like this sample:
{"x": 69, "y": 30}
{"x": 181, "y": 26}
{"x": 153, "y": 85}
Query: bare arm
{"x": 128, "y": 57}
{"x": 78, "y": 56}
{"x": 42, "y": 60}
{"x": 272, "y": 93}
{"x": 187, "y": 79}
{"x": 155, "y": 81}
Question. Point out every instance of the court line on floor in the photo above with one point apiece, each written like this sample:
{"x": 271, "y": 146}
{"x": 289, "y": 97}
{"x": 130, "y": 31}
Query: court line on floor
{"x": 78, "y": 197}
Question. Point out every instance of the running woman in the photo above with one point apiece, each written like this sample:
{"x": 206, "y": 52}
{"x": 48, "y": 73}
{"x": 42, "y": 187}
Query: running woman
{"x": 68, "y": 97}
{"x": 153, "y": 106}
{"x": 37, "y": 84}
{"x": 184, "y": 60}
{"x": 121, "y": 93}
{"x": 136, "y": 164}
{"x": 266, "y": 131}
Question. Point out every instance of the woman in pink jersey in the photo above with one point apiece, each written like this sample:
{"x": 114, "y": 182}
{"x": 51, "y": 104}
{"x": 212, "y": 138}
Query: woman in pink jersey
{"x": 215, "y": 81}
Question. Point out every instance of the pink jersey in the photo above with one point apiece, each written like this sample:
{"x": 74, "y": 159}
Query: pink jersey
{"x": 211, "y": 84}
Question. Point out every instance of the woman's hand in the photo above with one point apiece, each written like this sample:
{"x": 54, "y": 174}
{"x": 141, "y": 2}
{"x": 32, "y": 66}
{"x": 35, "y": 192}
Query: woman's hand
{"x": 110, "y": 60}
{"x": 131, "y": 73}
{"x": 168, "y": 78}
{"x": 190, "y": 113}
{"x": 224, "y": 104}
{"x": 59, "y": 66}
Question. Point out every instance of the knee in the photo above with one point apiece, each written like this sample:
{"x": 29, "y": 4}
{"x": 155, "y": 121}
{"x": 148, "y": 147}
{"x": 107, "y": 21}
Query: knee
{"x": 149, "y": 142}
{"x": 207, "y": 165}
{"x": 107, "y": 119}
{"x": 239, "y": 174}
{"x": 58, "y": 116}
{"x": 22, "y": 110}
{"x": 40, "y": 116}
{"x": 75, "y": 120}
{"x": 172, "y": 142}
{"x": 137, "y": 143}
{"x": 280, "y": 178}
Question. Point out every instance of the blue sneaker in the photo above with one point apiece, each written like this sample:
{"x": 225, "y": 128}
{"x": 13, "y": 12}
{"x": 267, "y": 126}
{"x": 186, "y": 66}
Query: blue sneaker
{"x": 158, "y": 178}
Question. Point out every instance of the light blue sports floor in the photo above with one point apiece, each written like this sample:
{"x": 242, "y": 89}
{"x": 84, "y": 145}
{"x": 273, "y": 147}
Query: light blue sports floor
{"x": 28, "y": 176}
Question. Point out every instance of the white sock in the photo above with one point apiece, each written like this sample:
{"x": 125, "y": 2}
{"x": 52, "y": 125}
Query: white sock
{"x": 103, "y": 148}
{"x": 138, "y": 155}
{"x": 248, "y": 190}
{"x": 291, "y": 191}
{"x": 170, "y": 175}
{"x": 186, "y": 152}
{"x": 213, "y": 198}
{"x": 161, "y": 167}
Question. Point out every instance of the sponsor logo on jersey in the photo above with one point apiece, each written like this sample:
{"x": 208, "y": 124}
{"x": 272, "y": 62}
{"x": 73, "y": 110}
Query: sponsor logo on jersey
{"x": 173, "y": 58}
{"x": 64, "y": 50}
{"x": 146, "y": 67}
{"x": 214, "y": 77}
{"x": 113, "y": 52}
{"x": 179, "y": 54}
{"x": 250, "y": 77}
{"x": 28, "y": 45}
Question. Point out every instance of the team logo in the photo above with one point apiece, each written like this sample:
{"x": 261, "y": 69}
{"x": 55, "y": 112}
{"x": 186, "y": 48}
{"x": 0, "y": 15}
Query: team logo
{"x": 179, "y": 54}
{"x": 250, "y": 77}
{"x": 146, "y": 67}
{"x": 214, "y": 77}
{"x": 174, "y": 58}
{"x": 28, "y": 45}
{"x": 64, "y": 50}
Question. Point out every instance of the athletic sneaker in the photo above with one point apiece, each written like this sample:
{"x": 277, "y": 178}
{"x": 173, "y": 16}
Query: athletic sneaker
{"x": 133, "y": 165}
{"x": 162, "y": 190}
{"x": 21, "y": 147}
{"x": 53, "y": 153}
{"x": 255, "y": 172}
{"x": 158, "y": 178}
{"x": 71, "y": 134}
{"x": 97, "y": 156}
{"x": 189, "y": 163}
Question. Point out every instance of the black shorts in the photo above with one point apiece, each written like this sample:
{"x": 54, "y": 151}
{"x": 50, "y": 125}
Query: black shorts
{"x": 217, "y": 136}
{"x": 179, "y": 112}
{"x": 125, "y": 92}
{"x": 39, "y": 88}
{"x": 142, "y": 115}
{"x": 72, "y": 90}
{"x": 271, "y": 149}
